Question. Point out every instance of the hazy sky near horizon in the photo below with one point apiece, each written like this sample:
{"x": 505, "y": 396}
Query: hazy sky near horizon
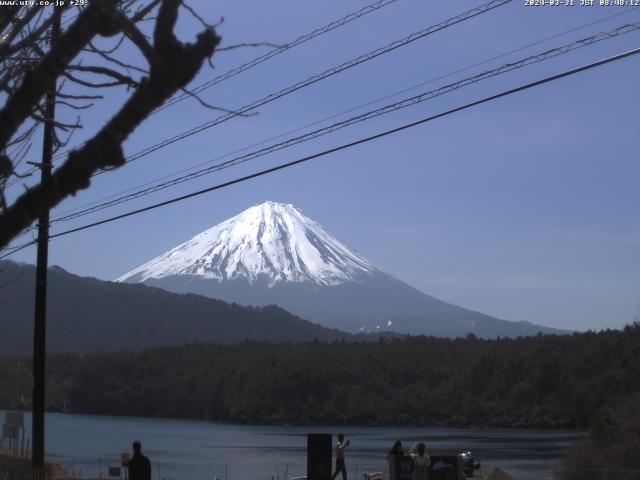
{"x": 525, "y": 208}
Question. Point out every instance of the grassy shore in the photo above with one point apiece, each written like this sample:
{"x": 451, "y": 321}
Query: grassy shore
{"x": 15, "y": 467}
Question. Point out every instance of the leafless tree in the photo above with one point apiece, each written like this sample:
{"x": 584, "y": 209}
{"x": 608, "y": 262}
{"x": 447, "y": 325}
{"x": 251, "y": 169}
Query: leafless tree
{"x": 85, "y": 59}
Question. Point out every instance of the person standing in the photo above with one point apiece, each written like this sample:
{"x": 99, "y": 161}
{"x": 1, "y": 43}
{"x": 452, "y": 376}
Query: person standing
{"x": 394, "y": 460}
{"x": 139, "y": 465}
{"x": 341, "y": 467}
{"x": 421, "y": 461}
{"x": 396, "y": 449}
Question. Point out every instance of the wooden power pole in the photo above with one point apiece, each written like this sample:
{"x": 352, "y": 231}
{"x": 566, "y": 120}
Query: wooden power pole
{"x": 40, "y": 322}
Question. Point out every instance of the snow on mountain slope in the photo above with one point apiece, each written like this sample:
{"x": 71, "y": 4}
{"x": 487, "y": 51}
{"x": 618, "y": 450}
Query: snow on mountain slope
{"x": 273, "y": 241}
{"x": 272, "y": 254}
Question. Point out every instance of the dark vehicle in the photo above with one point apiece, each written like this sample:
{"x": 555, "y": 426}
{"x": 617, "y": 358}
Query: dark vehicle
{"x": 469, "y": 464}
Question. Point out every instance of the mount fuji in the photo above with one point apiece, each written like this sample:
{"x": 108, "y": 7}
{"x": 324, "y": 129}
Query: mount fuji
{"x": 274, "y": 254}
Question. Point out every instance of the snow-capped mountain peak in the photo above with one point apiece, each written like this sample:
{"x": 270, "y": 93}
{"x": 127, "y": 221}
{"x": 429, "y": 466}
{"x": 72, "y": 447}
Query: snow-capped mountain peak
{"x": 272, "y": 241}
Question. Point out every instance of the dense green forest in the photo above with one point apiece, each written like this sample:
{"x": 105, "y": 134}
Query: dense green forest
{"x": 546, "y": 381}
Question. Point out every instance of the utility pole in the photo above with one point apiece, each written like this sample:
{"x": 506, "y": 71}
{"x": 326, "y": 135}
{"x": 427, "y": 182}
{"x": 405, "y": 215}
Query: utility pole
{"x": 40, "y": 322}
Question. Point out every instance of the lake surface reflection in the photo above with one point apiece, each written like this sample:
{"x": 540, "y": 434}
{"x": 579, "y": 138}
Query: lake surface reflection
{"x": 196, "y": 450}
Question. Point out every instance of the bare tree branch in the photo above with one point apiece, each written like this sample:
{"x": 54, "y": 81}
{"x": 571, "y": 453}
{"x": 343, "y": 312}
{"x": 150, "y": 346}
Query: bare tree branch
{"x": 172, "y": 65}
{"x": 79, "y": 97}
{"x": 88, "y": 84}
{"x": 250, "y": 45}
{"x": 144, "y": 11}
{"x": 195, "y": 15}
{"x": 139, "y": 40}
{"x": 7, "y": 16}
{"x": 123, "y": 79}
{"x": 8, "y": 49}
{"x": 20, "y": 104}
{"x": 107, "y": 56}
{"x": 61, "y": 125}
{"x": 112, "y": 49}
{"x": 73, "y": 106}
{"x": 213, "y": 107}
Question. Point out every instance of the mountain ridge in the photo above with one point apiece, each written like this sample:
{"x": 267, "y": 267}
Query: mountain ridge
{"x": 87, "y": 315}
{"x": 274, "y": 254}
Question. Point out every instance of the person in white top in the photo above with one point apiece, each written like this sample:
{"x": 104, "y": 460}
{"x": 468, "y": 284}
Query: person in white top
{"x": 340, "y": 465}
{"x": 421, "y": 461}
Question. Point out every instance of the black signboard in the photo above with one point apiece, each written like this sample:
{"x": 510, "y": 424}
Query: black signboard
{"x": 319, "y": 456}
{"x": 400, "y": 467}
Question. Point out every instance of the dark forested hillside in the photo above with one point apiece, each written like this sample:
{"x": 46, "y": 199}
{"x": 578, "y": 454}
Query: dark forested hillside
{"x": 534, "y": 381}
{"x": 87, "y": 315}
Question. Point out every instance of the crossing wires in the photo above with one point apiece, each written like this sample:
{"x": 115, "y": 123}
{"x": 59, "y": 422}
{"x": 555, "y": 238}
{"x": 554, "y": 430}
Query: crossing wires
{"x": 277, "y": 51}
{"x": 352, "y": 144}
{"x": 103, "y": 200}
{"x": 408, "y": 102}
{"x": 474, "y": 12}
{"x": 267, "y": 56}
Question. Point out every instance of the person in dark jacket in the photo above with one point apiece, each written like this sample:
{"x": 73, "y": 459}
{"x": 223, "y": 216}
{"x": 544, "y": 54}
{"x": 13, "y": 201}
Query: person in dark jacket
{"x": 394, "y": 460}
{"x": 139, "y": 465}
{"x": 397, "y": 449}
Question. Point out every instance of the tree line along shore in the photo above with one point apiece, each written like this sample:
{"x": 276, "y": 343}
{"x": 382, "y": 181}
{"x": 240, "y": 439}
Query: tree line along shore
{"x": 542, "y": 381}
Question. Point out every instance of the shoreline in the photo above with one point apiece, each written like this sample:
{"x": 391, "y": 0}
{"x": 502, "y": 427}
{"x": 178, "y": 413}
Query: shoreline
{"x": 15, "y": 466}
{"x": 506, "y": 425}
{"x": 20, "y": 466}
{"x": 12, "y": 466}
{"x": 201, "y": 446}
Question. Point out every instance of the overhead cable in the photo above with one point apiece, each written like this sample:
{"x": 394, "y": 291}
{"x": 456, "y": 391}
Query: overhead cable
{"x": 345, "y": 146}
{"x": 422, "y": 97}
{"x": 321, "y": 76}
{"x": 344, "y": 112}
{"x": 263, "y": 58}
{"x": 277, "y": 51}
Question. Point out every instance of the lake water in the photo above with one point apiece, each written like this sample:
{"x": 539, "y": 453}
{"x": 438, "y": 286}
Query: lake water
{"x": 196, "y": 450}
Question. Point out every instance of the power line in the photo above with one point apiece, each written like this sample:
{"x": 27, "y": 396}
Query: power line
{"x": 530, "y": 60}
{"x": 277, "y": 51}
{"x": 358, "y": 142}
{"x": 363, "y": 58}
{"x": 385, "y": 133}
{"x": 18, "y": 248}
{"x": 312, "y": 80}
{"x": 263, "y": 58}
{"x": 321, "y": 76}
{"x": 352, "y": 109}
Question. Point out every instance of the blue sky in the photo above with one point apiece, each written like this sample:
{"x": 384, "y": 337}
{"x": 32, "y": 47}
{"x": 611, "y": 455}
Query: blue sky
{"x": 525, "y": 208}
